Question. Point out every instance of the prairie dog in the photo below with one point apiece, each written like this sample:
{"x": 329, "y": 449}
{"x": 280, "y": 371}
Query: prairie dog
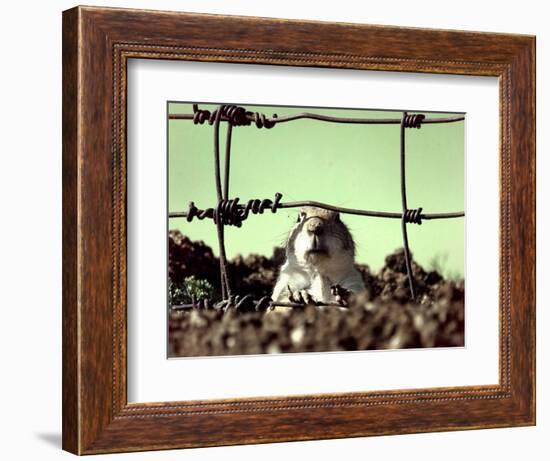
{"x": 320, "y": 254}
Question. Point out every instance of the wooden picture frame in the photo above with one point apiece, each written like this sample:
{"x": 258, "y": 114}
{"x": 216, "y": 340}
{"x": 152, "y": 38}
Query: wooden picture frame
{"x": 97, "y": 44}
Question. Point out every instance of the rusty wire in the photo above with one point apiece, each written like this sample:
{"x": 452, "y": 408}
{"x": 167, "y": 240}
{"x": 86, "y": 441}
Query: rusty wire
{"x": 407, "y": 121}
{"x": 231, "y": 212}
{"x": 226, "y": 290}
{"x": 248, "y": 304}
{"x": 200, "y": 116}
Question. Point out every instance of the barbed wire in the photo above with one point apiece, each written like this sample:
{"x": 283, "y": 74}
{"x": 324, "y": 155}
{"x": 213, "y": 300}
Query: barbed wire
{"x": 229, "y": 212}
{"x": 247, "y": 303}
{"x": 234, "y": 213}
{"x": 242, "y": 117}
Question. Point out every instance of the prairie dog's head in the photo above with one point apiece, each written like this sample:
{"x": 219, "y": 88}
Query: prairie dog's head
{"x": 319, "y": 238}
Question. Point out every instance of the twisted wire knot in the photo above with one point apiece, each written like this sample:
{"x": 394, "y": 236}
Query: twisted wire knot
{"x": 262, "y": 121}
{"x": 202, "y": 115}
{"x": 231, "y": 212}
{"x": 413, "y": 120}
{"x": 413, "y": 216}
{"x": 233, "y": 114}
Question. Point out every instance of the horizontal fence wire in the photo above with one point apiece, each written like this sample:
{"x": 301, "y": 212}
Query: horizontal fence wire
{"x": 193, "y": 211}
{"x": 253, "y": 117}
{"x": 231, "y": 212}
{"x": 246, "y": 304}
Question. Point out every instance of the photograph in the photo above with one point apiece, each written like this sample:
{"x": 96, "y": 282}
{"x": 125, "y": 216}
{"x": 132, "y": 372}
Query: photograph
{"x": 313, "y": 229}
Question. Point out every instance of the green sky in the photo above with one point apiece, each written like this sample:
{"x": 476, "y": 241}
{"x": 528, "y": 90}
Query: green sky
{"x": 354, "y": 166}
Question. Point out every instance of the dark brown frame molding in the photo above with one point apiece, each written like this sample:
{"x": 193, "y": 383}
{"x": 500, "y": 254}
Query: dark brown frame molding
{"x": 97, "y": 43}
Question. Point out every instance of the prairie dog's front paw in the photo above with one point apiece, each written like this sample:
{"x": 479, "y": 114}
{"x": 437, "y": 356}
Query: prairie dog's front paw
{"x": 300, "y": 297}
{"x": 341, "y": 294}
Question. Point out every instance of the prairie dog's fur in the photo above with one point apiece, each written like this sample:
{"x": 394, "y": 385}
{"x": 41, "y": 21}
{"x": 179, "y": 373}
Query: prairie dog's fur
{"x": 320, "y": 254}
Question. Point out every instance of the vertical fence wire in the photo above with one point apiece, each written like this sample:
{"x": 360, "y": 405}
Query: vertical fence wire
{"x": 224, "y": 282}
{"x": 403, "y": 178}
{"x": 227, "y": 160}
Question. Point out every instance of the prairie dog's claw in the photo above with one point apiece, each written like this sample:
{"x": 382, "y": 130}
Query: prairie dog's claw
{"x": 300, "y": 297}
{"x": 306, "y": 297}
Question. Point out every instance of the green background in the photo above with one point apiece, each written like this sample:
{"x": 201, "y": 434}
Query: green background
{"x": 354, "y": 166}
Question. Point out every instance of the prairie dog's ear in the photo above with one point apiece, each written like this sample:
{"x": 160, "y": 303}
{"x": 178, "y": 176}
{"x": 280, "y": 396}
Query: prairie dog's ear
{"x": 301, "y": 216}
{"x": 337, "y": 217}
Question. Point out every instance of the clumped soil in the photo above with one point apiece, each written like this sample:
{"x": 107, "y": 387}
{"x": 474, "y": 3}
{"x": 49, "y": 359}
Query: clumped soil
{"x": 384, "y": 318}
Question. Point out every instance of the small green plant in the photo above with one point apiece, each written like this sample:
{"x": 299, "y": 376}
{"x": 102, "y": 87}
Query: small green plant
{"x": 191, "y": 290}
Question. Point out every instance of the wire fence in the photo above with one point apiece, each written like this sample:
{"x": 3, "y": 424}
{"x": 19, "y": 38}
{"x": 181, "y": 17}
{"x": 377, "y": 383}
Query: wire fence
{"x": 230, "y": 212}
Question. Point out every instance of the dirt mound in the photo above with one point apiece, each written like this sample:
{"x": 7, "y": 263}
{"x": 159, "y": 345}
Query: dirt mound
{"x": 386, "y": 318}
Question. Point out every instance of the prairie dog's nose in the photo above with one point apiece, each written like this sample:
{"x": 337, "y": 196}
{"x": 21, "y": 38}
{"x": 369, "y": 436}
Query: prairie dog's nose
{"x": 315, "y": 226}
